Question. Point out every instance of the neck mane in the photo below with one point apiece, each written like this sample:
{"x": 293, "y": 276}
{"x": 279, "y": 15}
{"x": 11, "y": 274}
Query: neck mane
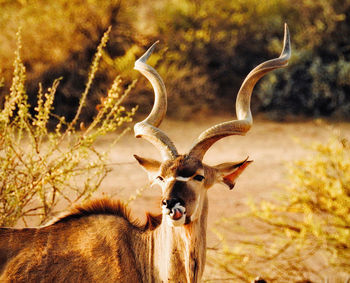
{"x": 176, "y": 254}
{"x": 106, "y": 206}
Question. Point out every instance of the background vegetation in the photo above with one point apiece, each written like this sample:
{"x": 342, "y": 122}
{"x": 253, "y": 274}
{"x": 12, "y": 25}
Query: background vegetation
{"x": 42, "y": 167}
{"x": 207, "y": 48}
{"x": 297, "y": 231}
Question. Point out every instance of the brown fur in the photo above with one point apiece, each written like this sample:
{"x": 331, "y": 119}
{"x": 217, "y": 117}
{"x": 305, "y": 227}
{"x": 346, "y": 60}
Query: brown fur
{"x": 106, "y": 206}
{"x": 153, "y": 221}
{"x": 95, "y": 242}
{"x": 98, "y": 206}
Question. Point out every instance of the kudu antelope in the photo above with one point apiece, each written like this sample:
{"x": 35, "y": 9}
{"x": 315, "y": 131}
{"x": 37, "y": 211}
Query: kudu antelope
{"x": 98, "y": 241}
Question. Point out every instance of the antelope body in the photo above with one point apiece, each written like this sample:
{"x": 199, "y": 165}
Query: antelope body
{"x": 99, "y": 242}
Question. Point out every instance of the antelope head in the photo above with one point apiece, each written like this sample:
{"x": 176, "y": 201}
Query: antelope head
{"x": 184, "y": 178}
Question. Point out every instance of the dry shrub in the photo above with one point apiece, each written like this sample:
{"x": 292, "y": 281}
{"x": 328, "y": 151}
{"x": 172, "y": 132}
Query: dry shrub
{"x": 40, "y": 168}
{"x": 303, "y": 234}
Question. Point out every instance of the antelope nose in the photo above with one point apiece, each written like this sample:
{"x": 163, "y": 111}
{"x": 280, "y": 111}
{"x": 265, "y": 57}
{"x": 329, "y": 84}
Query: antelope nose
{"x": 170, "y": 203}
{"x": 174, "y": 209}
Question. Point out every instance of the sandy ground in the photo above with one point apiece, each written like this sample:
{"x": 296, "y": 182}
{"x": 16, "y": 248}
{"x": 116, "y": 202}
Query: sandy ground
{"x": 271, "y": 145}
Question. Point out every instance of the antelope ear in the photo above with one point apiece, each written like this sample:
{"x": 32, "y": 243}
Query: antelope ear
{"x": 151, "y": 166}
{"x": 227, "y": 173}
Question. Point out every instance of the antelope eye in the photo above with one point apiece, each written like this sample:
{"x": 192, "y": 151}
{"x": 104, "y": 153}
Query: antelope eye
{"x": 160, "y": 178}
{"x": 199, "y": 178}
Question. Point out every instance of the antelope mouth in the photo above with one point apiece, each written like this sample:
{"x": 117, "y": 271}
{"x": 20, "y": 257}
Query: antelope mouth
{"x": 175, "y": 216}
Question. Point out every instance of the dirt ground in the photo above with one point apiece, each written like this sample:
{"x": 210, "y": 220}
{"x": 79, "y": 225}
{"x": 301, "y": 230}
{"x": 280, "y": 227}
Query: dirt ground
{"x": 271, "y": 145}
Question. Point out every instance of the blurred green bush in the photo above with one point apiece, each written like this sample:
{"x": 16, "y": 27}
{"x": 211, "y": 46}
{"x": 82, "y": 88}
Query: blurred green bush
{"x": 224, "y": 40}
{"x": 302, "y": 235}
{"x": 207, "y": 48}
{"x": 59, "y": 40}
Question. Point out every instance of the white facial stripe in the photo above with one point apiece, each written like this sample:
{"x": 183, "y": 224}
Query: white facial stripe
{"x": 170, "y": 179}
{"x": 178, "y": 178}
{"x": 182, "y": 179}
